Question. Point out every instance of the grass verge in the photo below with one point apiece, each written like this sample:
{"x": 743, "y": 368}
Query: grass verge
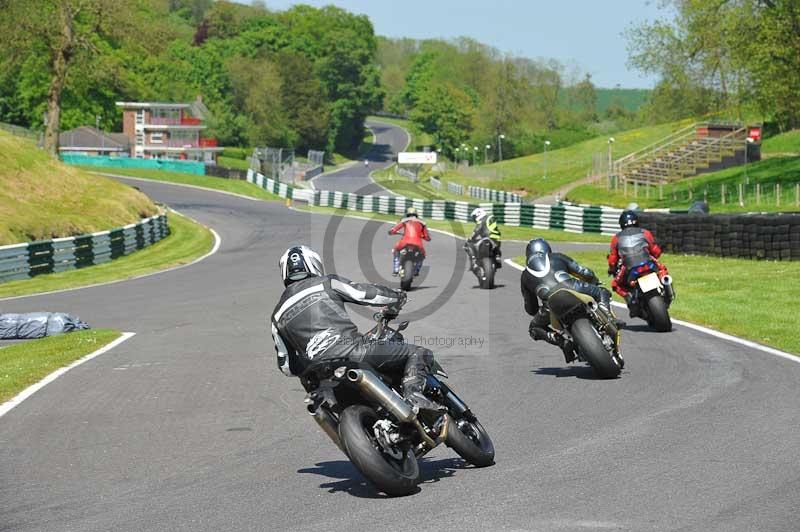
{"x": 783, "y": 171}
{"x": 42, "y": 198}
{"x": 718, "y": 293}
{"x": 525, "y": 175}
{"x": 24, "y": 364}
{"x": 464, "y": 229}
{"x": 187, "y": 241}
{"x": 402, "y": 186}
{"x": 236, "y": 186}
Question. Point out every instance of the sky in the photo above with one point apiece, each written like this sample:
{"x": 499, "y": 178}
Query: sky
{"x": 586, "y": 34}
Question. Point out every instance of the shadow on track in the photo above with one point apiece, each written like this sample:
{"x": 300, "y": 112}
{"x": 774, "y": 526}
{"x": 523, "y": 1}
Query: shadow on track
{"x": 351, "y": 482}
{"x": 641, "y": 327}
{"x": 579, "y": 372}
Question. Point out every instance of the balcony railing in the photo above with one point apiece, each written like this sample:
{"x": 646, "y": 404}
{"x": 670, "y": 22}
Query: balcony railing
{"x": 164, "y": 121}
{"x": 184, "y": 143}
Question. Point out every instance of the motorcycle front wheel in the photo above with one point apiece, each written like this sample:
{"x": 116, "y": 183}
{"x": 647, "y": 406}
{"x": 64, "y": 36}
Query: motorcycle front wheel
{"x": 593, "y": 350}
{"x": 471, "y": 441}
{"x": 393, "y": 476}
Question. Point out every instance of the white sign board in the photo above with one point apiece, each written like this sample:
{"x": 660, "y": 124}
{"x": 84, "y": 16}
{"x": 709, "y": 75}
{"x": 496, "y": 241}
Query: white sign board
{"x": 416, "y": 157}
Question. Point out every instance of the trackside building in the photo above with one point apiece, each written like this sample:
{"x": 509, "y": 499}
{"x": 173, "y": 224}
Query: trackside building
{"x": 158, "y": 130}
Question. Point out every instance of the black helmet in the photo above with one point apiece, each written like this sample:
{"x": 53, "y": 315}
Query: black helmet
{"x": 628, "y": 219}
{"x": 537, "y": 255}
{"x": 298, "y": 263}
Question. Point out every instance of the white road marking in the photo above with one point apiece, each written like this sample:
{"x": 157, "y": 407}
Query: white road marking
{"x": 144, "y": 180}
{"x": 706, "y": 330}
{"x": 214, "y": 249}
{"x": 6, "y": 407}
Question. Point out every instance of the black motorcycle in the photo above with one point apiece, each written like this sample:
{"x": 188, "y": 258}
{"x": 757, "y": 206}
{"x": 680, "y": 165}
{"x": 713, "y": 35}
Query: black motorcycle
{"x": 590, "y": 332}
{"x": 411, "y": 258}
{"x": 487, "y": 261}
{"x": 367, "y": 418}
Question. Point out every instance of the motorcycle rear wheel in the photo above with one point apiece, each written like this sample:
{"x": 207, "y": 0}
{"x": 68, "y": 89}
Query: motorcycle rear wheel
{"x": 408, "y": 275}
{"x": 658, "y": 315}
{"x": 593, "y": 350}
{"x": 392, "y": 476}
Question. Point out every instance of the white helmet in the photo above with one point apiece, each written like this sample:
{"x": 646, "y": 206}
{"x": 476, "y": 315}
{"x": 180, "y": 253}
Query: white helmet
{"x": 298, "y": 263}
{"x": 479, "y": 214}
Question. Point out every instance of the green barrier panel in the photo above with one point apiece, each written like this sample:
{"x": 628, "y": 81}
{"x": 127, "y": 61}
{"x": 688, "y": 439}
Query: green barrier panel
{"x": 184, "y": 167}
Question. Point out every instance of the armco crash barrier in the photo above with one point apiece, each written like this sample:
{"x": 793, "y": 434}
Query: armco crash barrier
{"x": 29, "y": 259}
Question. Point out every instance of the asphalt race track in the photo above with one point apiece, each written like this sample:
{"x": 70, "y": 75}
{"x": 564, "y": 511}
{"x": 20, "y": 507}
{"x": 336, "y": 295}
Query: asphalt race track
{"x": 190, "y": 426}
{"x": 390, "y": 140}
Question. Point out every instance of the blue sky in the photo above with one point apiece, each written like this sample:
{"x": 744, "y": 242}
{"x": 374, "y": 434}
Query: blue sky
{"x": 586, "y": 34}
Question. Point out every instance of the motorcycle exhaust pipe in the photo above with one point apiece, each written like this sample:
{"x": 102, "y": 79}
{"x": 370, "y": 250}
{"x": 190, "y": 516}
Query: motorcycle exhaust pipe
{"x": 327, "y": 423}
{"x": 374, "y": 388}
{"x": 668, "y": 288}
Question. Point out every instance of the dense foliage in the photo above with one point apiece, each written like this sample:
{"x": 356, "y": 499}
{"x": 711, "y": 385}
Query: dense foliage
{"x": 731, "y": 58}
{"x": 304, "y": 78}
{"x": 464, "y": 92}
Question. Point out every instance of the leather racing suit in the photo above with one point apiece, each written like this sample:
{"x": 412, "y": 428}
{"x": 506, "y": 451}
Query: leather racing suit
{"x": 564, "y": 272}
{"x": 414, "y": 232}
{"x": 629, "y": 248}
{"x": 310, "y": 323}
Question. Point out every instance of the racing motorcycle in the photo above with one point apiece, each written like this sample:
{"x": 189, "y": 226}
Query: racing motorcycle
{"x": 411, "y": 258}
{"x": 652, "y": 293}
{"x": 364, "y": 414}
{"x": 487, "y": 262}
{"x": 590, "y": 333}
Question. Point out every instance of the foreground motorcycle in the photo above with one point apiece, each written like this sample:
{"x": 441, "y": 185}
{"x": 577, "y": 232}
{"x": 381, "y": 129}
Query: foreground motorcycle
{"x": 589, "y": 331}
{"x": 487, "y": 262}
{"x": 367, "y": 418}
{"x": 411, "y": 258}
{"x": 652, "y": 293}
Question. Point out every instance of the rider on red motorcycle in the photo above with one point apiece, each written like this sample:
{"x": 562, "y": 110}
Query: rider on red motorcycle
{"x": 414, "y": 232}
{"x": 632, "y": 245}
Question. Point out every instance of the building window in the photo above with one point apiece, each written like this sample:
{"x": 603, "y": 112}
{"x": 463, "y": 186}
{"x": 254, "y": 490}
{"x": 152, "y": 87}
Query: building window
{"x": 140, "y": 116}
{"x": 157, "y": 137}
{"x": 140, "y": 139}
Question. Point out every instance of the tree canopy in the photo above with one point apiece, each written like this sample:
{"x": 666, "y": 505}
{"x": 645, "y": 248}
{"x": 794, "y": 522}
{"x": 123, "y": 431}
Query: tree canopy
{"x": 302, "y": 78}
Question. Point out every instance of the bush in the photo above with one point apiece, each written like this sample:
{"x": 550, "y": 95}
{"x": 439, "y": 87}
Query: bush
{"x": 237, "y": 153}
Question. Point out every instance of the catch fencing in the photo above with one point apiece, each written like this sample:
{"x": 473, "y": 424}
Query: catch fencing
{"x": 29, "y": 259}
{"x": 490, "y": 194}
{"x": 455, "y": 188}
{"x": 435, "y": 183}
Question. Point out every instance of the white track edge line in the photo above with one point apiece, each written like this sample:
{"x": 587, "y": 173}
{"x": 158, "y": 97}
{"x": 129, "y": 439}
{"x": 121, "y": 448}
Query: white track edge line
{"x": 712, "y": 332}
{"x": 214, "y": 249}
{"x": 198, "y": 187}
{"x": 15, "y": 401}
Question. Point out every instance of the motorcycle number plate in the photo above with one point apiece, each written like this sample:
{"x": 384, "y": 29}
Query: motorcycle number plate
{"x": 649, "y": 282}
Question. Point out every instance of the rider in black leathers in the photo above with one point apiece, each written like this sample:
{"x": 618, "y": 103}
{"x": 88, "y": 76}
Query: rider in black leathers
{"x": 546, "y": 270}
{"x": 310, "y": 323}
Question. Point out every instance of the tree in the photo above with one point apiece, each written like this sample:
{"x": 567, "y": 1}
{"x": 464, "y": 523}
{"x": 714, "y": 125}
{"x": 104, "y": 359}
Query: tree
{"x": 585, "y": 98}
{"x": 445, "y": 112}
{"x": 68, "y": 33}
